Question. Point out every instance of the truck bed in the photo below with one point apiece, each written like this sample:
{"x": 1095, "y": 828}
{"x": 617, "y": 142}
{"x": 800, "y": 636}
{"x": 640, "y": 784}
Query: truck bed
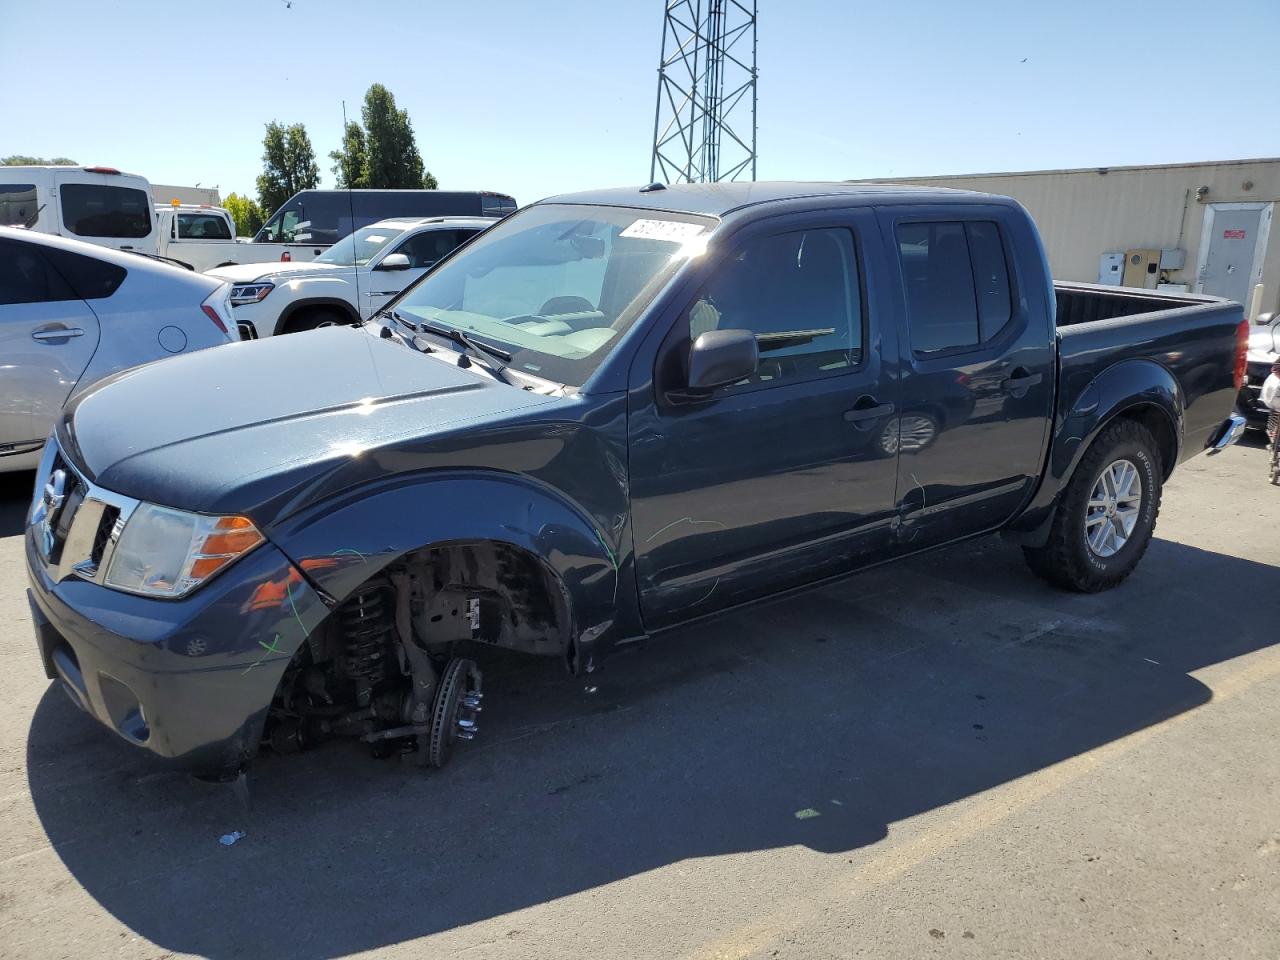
{"x": 1188, "y": 334}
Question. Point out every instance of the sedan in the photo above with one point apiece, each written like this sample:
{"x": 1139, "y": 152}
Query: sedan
{"x": 72, "y": 312}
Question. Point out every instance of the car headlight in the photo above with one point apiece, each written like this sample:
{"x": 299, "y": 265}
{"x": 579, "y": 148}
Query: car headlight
{"x": 168, "y": 553}
{"x": 243, "y": 293}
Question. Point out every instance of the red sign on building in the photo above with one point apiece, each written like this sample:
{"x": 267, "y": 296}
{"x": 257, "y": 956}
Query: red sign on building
{"x": 1232, "y": 234}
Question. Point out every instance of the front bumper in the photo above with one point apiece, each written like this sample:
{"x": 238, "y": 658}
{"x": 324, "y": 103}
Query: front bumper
{"x": 189, "y": 680}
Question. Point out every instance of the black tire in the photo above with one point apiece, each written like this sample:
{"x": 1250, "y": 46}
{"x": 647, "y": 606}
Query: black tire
{"x": 1067, "y": 560}
{"x": 318, "y": 317}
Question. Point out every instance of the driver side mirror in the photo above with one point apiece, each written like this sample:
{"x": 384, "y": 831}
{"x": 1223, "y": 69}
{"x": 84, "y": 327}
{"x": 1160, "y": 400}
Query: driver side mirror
{"x": 394, "y": 261}
{"x": 1264, "y": 319}
{"x": 721, "y": 357}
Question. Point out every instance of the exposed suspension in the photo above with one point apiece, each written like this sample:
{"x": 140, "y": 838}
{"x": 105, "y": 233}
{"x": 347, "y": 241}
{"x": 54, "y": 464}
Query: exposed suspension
{"x": 367, "y": 622}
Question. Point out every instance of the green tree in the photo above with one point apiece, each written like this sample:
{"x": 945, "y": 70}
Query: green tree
{"x": 246, "y": 213}
{"x": 18, "y": 160}
{"x": 351, "y": 159}
{"x": 392, "y": 157}
{"x": 288, "y": 165}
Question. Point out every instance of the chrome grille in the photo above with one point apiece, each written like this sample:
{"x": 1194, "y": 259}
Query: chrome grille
{"x": 77, "y": 523}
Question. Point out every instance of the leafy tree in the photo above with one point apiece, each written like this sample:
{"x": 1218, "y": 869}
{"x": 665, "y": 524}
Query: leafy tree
{"x": 289, "y": 165}
{"x": 392, "y": 157}
{"x": 18, "y": 160}
{"x": 246, "y": 213}
{"x": 351, "y": 160}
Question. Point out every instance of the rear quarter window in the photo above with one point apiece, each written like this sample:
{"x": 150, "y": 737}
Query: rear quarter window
{"x": 100, "y": 210}
{"x": 90, "y": 278}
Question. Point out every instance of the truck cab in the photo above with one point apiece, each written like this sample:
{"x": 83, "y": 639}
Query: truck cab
{"x": 197, "y": 235}
{"x": 96, "y": 204}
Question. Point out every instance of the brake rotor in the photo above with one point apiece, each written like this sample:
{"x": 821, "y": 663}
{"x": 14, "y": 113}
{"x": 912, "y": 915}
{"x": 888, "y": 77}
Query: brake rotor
{"x": 453, "y": 714}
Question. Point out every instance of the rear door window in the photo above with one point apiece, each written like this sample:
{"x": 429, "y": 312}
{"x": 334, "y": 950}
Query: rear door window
{"x": 99, "y": 210}
{"x": 18, "y": 204}
{"x": 957, "y": 283}
{"x": 202, "y": 226}
{"x": 27, "y": 277}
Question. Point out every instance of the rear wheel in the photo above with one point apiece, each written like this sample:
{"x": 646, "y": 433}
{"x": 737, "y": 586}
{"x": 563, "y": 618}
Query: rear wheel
{"x": 1107, "y": 514}
{"x": 315, "y": 319}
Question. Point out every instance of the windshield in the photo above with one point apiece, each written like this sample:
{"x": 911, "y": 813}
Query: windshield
{"x": 359, "y": 248}
{"x": 557, "y": 284}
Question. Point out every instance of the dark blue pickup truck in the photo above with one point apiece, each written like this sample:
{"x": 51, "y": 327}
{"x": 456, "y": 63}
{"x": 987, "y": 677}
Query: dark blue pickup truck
{"x": 609, "y": 415}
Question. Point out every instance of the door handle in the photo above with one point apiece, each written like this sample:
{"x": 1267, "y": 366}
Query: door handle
{"x": 863, "y": 414}
{"x": 57, "y": 333}
{"x": 1020, "y": 382}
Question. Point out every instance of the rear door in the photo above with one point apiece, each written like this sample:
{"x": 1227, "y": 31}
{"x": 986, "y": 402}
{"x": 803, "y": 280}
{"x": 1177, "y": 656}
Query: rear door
{"x": 775, "y": 481}
{"x": 977, "y": 359}
{"x": 48, "y": 334}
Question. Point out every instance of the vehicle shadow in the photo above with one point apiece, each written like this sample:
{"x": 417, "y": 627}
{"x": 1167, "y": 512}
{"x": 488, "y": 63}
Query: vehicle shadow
{"x": 818, "y": 721}
{"x": 15, "y": 498}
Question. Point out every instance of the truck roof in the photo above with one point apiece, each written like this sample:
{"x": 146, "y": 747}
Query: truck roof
{"x": 720, "y": 199}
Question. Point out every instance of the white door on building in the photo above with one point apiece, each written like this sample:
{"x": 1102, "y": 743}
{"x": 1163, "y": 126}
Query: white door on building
{"x": 1233, "y": 244}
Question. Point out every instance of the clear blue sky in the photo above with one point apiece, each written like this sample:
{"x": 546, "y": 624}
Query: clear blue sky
{"x": 536, "y": 98}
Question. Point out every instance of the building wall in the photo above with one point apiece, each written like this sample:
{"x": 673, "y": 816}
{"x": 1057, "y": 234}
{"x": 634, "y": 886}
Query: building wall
{"x": 163, "y": 193}
{"x": 1085, "y": 213}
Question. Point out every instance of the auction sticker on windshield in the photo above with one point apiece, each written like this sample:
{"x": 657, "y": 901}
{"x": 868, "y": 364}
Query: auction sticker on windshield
{"x": 670, "y": 230}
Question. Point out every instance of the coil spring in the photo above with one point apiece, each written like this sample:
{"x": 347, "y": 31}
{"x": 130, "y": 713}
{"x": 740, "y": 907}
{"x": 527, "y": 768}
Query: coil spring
{"x": 366, "y": 631}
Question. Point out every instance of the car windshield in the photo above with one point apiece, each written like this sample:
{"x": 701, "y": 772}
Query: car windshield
{"x": 359, "y": 248}
{"x": 557, "y": 284}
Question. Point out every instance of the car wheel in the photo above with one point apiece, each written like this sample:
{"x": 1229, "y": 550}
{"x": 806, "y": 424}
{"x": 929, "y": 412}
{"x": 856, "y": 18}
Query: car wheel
{"x": 315, "y": 319}
{"x": 1107, "y": 513}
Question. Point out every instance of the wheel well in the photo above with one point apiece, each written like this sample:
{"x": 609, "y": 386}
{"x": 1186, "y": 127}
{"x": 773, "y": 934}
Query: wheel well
{"x": 487, "y": 591}
{"x": 1160, "y": 427}
{"x": 302, "y": 310}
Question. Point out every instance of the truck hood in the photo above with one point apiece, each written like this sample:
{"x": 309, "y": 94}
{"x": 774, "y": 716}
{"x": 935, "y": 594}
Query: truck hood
{"x": 264, "y": 427}
{"x": 275, "y": 272}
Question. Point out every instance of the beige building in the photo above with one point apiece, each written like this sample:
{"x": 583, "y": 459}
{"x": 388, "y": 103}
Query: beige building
{"x": 1199, "y": 226}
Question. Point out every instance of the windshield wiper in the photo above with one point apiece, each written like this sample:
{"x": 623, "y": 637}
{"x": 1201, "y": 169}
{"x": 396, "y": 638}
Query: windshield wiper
{"x": 470, "y": 348}
{"x": 34, "y": 217}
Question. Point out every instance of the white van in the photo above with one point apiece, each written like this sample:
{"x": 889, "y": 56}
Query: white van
{"x": 97, "y": 204}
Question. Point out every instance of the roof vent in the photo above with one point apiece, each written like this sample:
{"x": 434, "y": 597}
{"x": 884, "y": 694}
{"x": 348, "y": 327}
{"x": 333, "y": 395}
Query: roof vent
{"x": 650, "y": 187}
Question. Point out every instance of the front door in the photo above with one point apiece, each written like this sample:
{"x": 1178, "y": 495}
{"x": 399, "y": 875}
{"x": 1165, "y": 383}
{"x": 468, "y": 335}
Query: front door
{"x": 977, "y": 369}
{"x": 776, "y": 480}
{"x": 1233, "y": 244}
{"x": 423, "y": 249}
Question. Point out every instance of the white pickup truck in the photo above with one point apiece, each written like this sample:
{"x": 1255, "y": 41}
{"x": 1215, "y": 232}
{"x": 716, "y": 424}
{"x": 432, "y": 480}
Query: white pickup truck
{"x": 203, "y": 237}
{"x": 349, "y": 282}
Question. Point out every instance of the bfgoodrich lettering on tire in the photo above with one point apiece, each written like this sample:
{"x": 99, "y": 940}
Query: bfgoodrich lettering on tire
{"x": 1107, "y": 513}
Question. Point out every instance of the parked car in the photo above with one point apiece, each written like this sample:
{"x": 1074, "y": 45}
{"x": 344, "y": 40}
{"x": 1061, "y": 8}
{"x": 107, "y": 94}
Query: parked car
{"x": 72, "y": 313}
{"x": 349, "y": 282}
{"x": 611, "y": 414}
{"x": 1264, "y": 350}
{"x": 97, "y": 204}
{"x": 314, "y": 219}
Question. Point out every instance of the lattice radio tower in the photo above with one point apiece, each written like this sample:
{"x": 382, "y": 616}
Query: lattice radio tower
{"x": 704, "y": 127}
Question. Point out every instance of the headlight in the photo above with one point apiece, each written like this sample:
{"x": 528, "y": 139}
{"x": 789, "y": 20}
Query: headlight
{"x": 168, "y": 553}
{"x": 243, "y": 293}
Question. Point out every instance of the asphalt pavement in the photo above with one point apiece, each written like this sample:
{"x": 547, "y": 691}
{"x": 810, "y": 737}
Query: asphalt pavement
{"x": 942, "y": 757}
